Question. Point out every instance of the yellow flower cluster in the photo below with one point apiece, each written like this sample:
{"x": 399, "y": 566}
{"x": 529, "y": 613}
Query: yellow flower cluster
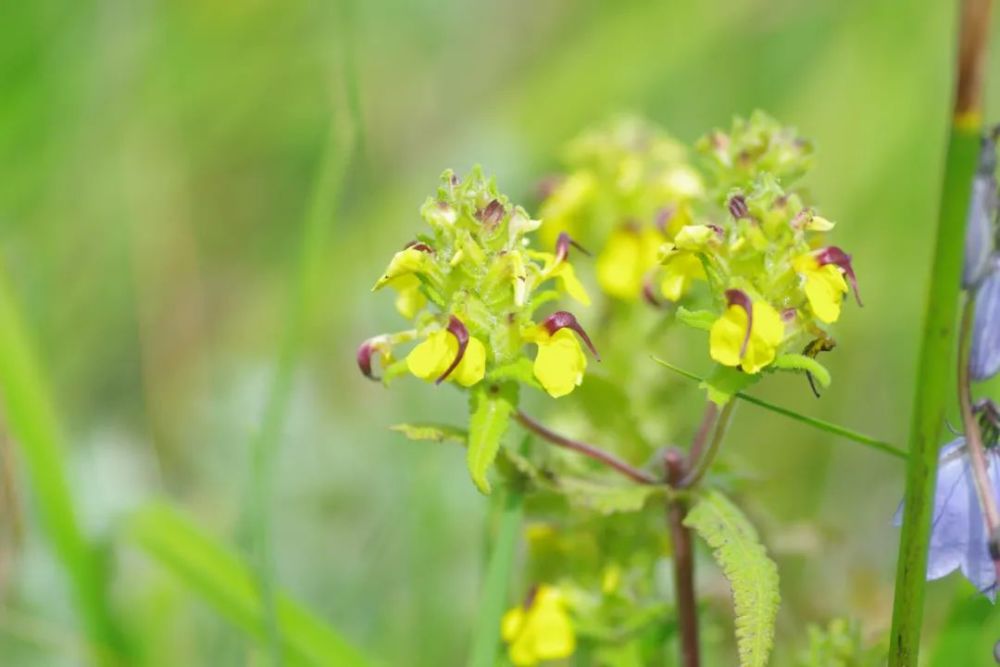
{"x": 629, "y": 189}
{"x": 471, "y": 288}
{"x": 540, "y": 629}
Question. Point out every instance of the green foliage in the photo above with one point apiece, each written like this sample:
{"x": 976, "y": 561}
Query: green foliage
{"x": 432, "y": 432}
{"x": 752, "y": 575}
{"x": 490, "y": 410}
{"x": 840, "y": 645}
{"x": 608, "y": 499}
{"x": 215, "y": 574}
{"x": 724, "y": 383}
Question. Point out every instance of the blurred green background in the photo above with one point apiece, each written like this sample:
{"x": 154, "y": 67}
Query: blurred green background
{"x": 157, "y": 163}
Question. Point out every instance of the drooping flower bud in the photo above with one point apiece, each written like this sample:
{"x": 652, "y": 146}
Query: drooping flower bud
{"x": 741, "y": 299}
{"x": 738, "y": 207}
{"x": 984, "y": 357}
{"x": 980, "y": 221}
{"x": 366, "y": 351}
{"x": 562, "y": 246}
{"x": 492, "y": 214}
{"x": 457, "y": 329}
{"x": 565, "y": 320}
{"x": 837, "y": 257}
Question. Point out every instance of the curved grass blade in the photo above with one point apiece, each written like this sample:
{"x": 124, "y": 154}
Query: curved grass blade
{"x": 217, "y": 575}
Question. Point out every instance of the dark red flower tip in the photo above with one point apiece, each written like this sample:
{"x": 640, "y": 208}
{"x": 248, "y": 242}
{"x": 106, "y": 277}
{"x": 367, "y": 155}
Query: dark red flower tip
{"x": 740, "y": 299}
{"x": 738, "y": 207}
{"x": 649, "y": 291}
{"x": 837, "y": 257}
{"x": 365, "y": 352}
{"x": 419, "y": 245}
{"x": 564, "y": 320}
{"x": 663, "y": 218}
{"x": 457, "y": 329}
{"x": 562, "y": 246}
{"x": 492, "y": 214}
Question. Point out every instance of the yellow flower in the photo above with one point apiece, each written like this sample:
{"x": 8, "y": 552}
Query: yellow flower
{"x": 409, "y": 298}
{"x": 680, "y": 269}
{"x": 556, "y": 266}
{"x": 432, "y": 358}
{"x": 627, "y": 256}
{"x": 539, "y": 630}
{"x": 563, "y": 206}
{"x": 824, "y": 285}
{"x": 405, "y": 262}
{"x": 560, "y": 362}
{"x": 733, "y": 343}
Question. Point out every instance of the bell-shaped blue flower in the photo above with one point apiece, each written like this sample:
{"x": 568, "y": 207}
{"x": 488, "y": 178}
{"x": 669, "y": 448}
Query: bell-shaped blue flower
{"x": 959, "y": 538}
{"x": 984, "y": 358}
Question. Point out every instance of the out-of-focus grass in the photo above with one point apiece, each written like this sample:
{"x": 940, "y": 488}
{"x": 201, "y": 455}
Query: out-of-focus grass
{"x": 156, "y": 160}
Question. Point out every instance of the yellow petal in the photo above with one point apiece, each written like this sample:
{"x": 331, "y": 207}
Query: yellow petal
{"x": 767, "y": 333}
{"x": 571, "y": 283}
{"x": 618, "y": 270}
{"x": 553, "y": 633}
{"x": 825, "y": 289}
{"x": 679, "y": 271}
{"x": 725, "y": 339}
{"x": 560, "y": 363}
{"x": 511, "y": 623}
{"x": 409, "y": 298}
{"x": 433, "y": 356}
{"x": 522, "y": 651}
{"x": 472, "y": 368}
{"x": 403, "y": 262}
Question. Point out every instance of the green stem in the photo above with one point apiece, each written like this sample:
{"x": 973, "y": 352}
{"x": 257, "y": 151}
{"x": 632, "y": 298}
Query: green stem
{"x": 34, "y": 426}
{"x": 700, "y": 466}
{"x": 486, "y": 640}
{"x": 934, "y": 372}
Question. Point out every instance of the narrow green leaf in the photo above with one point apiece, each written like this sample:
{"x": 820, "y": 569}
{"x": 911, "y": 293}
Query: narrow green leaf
{"x": 486, "y": 641}
{"x": 752, "y": 575}
{"x": 218, "y": 576}
{"x": 820, "y": 424}
{"x": 32, "y": 420}
{"x": 800, "y": 362}
{"x": 490, "y": 409}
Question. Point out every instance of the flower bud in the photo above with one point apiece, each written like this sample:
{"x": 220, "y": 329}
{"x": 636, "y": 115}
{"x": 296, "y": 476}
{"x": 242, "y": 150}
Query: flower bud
{"x": 562, "y": 246}
{"x": 984, "y": 358}
{"x": 738, "y": 207}
{"x": 366, "y": 351}
{"x": 565, "y": 320}
{"x": 979, "y": 223}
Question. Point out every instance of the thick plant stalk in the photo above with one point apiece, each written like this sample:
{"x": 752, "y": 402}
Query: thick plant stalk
{"x": 683, "y": 562}
{"x": 936, "y": 379}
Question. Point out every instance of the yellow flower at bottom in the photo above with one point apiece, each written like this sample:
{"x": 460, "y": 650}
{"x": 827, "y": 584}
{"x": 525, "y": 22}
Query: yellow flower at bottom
{"x": 429, "y": 360}
{"x": 729, "y": 334}
{"x": 626, "y": 257}
{"x": 540, "y": 630}
{"x": 824, "y": 285}
{"x": 680, "y": 269}
{"x": 560, "y": 362}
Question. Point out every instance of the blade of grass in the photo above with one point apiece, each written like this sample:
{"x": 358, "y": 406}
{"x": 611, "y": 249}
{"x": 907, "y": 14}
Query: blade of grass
{"x": 33, "y": 424}
{"x": 935, "y": 379}
{"x": 820, "y": 424}
{"x": 486, "y": 640}
{"x": 217, "y": 575}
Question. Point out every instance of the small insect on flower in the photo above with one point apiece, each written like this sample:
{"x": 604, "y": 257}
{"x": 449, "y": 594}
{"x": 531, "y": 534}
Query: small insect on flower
{"x": 539, "y": 629}
{"x": 959, "y": 537}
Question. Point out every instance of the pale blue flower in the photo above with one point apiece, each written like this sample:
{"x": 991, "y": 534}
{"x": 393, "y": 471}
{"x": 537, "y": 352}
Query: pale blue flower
{"x": 958, "y": 532}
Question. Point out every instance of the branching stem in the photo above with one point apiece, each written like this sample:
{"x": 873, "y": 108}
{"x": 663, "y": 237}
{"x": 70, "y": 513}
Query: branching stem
{"x": 697, "y": 467}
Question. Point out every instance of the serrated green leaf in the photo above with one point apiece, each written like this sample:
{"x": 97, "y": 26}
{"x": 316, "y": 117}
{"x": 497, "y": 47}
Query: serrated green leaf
{"x": 724, "y": 383}
{"x": 698, "y": 319}
{"x": 490, "y": 409}
{"x": 432, "y": 432}
{"x": 800, "y": 362}
{"x": 752, "y": 575}
{"x": 607, "y": 499}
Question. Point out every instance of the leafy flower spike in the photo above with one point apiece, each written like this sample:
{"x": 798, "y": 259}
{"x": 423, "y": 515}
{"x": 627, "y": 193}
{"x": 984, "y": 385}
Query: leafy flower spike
{"x": 539, "y": 629}
{"x": 470, "y": 289}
